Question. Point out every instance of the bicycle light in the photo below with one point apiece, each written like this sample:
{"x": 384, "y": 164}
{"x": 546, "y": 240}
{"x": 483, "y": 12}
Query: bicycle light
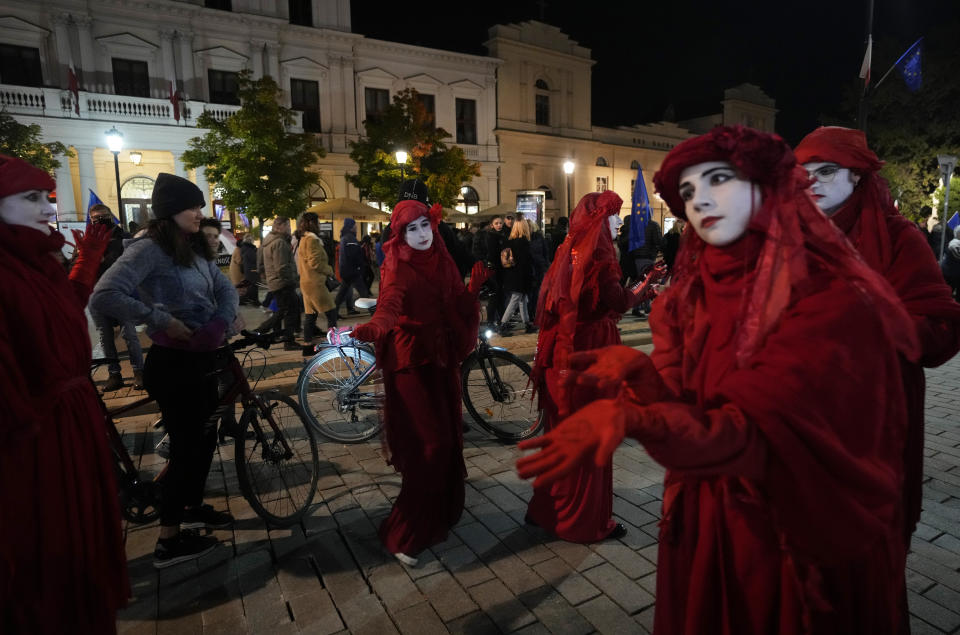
{"x": 488, "y": 333}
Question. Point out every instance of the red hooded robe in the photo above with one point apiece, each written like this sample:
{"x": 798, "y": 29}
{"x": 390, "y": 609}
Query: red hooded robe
{"x": 424, "y": 327}
{"x": 895, "y": 248}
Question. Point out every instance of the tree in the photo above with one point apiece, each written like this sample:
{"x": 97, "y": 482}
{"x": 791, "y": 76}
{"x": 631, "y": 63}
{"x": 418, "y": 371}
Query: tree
{"x": 23, "y": 141}
{"x": 406, "y": 125}
{"x": 262, "y": 170}
{"x": 908, "y": 130}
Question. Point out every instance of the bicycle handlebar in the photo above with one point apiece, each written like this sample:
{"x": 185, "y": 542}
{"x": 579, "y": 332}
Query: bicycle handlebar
{"x": 252, "y": 338}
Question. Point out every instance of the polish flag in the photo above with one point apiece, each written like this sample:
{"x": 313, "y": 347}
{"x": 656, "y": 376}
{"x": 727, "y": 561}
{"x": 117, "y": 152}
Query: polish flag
{"x": 74, "y": 86}
{"x": 174, "y": 99}
{"x": 867, "y": 59}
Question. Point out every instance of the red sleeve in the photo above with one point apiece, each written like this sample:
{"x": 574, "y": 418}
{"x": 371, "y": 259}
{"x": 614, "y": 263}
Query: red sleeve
{"x": 613, "y": 295}
{"x": 667, "y": 352}
{"x": 915, "y": 275}
{"x": 389, "y": 302}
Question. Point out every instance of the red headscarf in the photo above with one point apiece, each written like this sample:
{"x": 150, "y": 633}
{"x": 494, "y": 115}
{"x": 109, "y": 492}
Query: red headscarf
{"x": 586, "y": 252}
{"x": 16, "y": 175}
{"x": 789, "y": 230}
{"x": 863, "y": 217}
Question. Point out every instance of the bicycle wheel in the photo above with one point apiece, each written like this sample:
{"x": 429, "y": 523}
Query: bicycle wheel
{"x": 497, "y": 394}
{"x": 334, "y": 404}
{"x": 278, "y": 466}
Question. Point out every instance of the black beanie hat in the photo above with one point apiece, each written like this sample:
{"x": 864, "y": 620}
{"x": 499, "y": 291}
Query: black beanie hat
{"x": 414, "y": 190}
{"x": 172, "y": 194}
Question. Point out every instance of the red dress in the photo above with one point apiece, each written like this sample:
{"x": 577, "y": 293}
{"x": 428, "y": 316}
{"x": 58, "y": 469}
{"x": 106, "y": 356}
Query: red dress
{"x": 781, "y": 505}
{"x": 62, "y": 562}
{"x": 428, "y": 324}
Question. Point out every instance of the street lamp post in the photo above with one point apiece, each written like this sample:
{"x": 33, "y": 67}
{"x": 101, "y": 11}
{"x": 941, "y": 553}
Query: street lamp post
{"x": 947, "y": 165}
{"x": 401, "y": 160}
{"x": 568, "y": 170}
{"x": 115, "y": 143}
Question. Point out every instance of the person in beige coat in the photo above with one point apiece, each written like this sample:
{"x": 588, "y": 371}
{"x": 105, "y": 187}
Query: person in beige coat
{"x": 236, "y": 263}
{"x": 314, "y": 269}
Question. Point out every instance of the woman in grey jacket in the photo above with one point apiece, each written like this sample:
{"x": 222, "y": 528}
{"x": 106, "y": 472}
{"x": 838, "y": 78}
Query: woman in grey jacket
{"x": 170, "y": 281}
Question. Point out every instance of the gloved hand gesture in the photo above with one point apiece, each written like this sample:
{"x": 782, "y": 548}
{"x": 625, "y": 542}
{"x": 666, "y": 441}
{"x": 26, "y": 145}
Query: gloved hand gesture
{"x": 478, "y": 277}
{"x": 90, "y": 248}
{"x": 594, "y": 432}
{"x": 605, "y": 370}
{"x": 368, "y": 332}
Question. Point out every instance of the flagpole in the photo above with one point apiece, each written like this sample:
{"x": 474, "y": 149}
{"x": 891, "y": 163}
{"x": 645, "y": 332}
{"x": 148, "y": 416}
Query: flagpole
{"x": 864, "y": 101}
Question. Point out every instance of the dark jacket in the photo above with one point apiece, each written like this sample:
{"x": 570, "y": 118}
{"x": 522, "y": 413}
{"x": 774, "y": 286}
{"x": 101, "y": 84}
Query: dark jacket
{"x": 519, "y": 277}
{"x": 275, "y": 262}
{"x": 652, "y": 243}
{"x": 248, "y": 261}
{"x": 557, "y": 235}
{"x": 114, "y": 250}
{"x": 351, "y": 256}
{"x": 540, "y": 255}
{"x": 496, "y": 241}
{"x": 461, "y": 256}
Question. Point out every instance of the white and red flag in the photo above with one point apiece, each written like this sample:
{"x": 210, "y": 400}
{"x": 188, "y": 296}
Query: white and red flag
{"x": 867, "y": 61}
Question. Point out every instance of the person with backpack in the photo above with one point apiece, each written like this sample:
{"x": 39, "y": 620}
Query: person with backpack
{"x": 516, "y": 263}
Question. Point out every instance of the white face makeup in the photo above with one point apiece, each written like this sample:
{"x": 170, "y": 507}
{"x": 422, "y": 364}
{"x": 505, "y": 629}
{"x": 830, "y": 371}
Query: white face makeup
{"x": 718, "y": 203}
{"x": 833, "y": 186}
{"x": 419, "y": 235}
{"x": 615, "y": 224}
{"x": 189, "y": 220}
{"x": 29, "y": 209}
{"x": 213, "y": 238}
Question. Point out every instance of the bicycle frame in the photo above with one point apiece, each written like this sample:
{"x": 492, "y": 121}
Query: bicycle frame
{"x": 481, "y": 354}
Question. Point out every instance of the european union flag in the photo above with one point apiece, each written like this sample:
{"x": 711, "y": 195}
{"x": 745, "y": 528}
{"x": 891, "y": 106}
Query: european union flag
{"x": 639, "y": 213}
{"x": 93, "y": 200}
{"x": 954, "y": 221}
{"x": 909, "y": 67}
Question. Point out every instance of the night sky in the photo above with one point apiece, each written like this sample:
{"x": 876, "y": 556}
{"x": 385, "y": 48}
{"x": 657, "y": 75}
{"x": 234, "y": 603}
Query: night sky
{"x": 682, "y": 54}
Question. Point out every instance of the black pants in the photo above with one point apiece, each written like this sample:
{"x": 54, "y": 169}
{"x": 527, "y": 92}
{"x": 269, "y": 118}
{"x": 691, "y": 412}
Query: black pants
{"x": 310, "y": 324}
{"x": 345, "y": 294}
{"x": 185, "y": 387}
{"x": 287, "y": 312}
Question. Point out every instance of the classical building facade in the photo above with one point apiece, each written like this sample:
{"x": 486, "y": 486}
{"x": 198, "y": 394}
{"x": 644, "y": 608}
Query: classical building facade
{"x": 81, "y": 67}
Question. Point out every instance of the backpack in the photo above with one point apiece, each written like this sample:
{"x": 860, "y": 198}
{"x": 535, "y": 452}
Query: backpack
{"x": 506, "y": 258}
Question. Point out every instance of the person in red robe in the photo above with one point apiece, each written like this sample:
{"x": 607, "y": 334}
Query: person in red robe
{"x": 849, "y": 190}
{"x": 773, "y": 398}
{"x": 62, "y": 562}
{"x": 580, "y": 303}
{"x": 424, "y": 327}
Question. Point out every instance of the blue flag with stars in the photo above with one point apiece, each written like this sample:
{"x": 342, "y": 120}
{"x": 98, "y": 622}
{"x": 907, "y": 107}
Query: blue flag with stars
{"x": 954, "y": 221}
{"x": 93, "y": 200}
{"x": 639, "y": 212}
{"x": 909, "y": 67}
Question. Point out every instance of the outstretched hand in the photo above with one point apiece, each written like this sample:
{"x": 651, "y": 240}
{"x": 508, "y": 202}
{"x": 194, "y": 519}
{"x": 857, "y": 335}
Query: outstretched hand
{"x": 479, "y": 276}
{"x": 95, "y": 240}
{"x": 368, "y": 332}
{"x": 594, "y": 431}
{"x": 605, "y": 370}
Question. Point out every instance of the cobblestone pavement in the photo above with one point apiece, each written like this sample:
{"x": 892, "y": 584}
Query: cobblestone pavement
{"x": 493, "y": 574}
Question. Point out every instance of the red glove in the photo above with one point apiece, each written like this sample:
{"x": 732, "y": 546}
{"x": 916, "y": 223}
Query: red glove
{"x": 90, "y": 248}
{"x": 478, "y": 277}
{"x": 368, "y": 332}
{"x": 594, "y": 431}
{"x": 607, "y": 370}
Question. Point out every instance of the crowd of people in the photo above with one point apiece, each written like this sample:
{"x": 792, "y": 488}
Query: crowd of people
{"x": 784, "y": 394}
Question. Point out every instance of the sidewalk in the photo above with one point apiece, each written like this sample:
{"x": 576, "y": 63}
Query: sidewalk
{"x": 494, "y": 574}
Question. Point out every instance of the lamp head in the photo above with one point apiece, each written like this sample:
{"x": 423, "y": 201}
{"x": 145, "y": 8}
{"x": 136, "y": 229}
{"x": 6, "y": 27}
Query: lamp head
{"x": 568, "y": 167}
{"x": 114, "y": 139}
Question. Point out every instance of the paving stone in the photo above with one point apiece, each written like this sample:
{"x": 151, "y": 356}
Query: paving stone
{"x": 512, "y": 571}
{"x": 315, "y": 612}
{"x": 554, "y": 613}
{"x": 569, "y": 583}
{"x": 628, "y": 561}
{"x": 465, "y": 566}
{"x": 606, "y": 616}
{"x": 476, "y": 623}
{"x": 933, "y": 613}
{"x": 394, "y": 587}
{"x": 619, "y": 588}
{"x": 446, "y": 596}
{"x": 501, "y": 606}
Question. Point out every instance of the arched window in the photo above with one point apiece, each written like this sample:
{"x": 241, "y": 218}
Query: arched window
{"x": 135, "y": 196}
{"x": 601, "y": 162}
{"x": 317, "y": 194}
{"x": 548, "y": 193}
{"x": 634, "y": 165}
{"x": 469, "y": 201}
{"x": 542, "y": 100}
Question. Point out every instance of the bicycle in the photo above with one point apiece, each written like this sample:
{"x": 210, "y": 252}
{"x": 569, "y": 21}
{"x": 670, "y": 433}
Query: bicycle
{"x": 341, "y": 389}
{"x": 275, "y": 451}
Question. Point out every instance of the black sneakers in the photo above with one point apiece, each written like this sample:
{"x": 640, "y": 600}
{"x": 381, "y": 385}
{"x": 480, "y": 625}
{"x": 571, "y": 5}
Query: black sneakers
{"x": 185, "y": 546}
{"x": 205, "y": 516}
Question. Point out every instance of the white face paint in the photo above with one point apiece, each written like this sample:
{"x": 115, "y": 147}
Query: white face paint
{"x": 718, "y": 203}
{"x": 833, "y": 186}
{"x": 615, "y": 223}
{"x": 419, "y": 235}
{"x": 189, "y": 220}
{"x": 29, "y": 209}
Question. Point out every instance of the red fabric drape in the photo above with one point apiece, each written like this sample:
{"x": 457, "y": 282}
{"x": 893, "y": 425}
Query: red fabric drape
{"x": 62, "y": 563}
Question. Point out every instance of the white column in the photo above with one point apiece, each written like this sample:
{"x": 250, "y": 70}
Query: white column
{"x": 273, "y": 60}
{"x": 178, "y": 168}
{"x": 338, "y": 121}
{"x": 169, "y": 71}
{"x": 62, "y": 37}
{"x": 350, "y": 95}
{"x": 88, "y": 62}
{"x": 201, "y": 181}
{"x": 256, "y": 58}
{"x": 88, "y": 177}
{"x": 66, "y": 203}
{"x": 187, "y": 72}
